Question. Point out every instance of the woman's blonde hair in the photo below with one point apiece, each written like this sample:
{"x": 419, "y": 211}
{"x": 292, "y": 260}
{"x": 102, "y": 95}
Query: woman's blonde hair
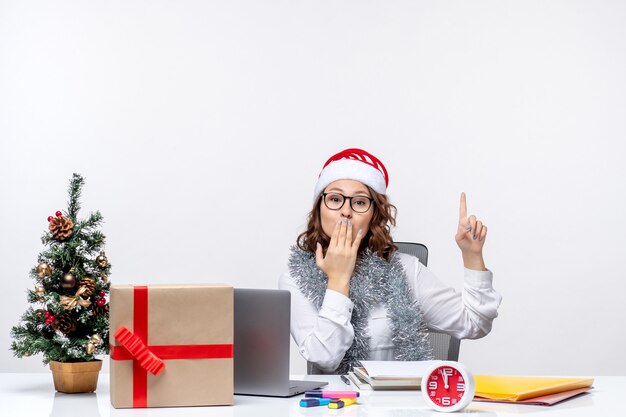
{"x": 378, "y": 238}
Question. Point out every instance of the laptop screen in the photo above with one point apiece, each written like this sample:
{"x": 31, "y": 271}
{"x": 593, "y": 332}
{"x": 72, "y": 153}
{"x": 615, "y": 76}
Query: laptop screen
{"x": 261, "y": 341}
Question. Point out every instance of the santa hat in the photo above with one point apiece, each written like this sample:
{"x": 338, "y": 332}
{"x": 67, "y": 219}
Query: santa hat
{"x": 353, "y": 164}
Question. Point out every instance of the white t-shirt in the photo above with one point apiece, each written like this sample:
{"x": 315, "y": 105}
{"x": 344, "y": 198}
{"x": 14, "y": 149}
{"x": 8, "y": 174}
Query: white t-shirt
{"x": 324, "y": 336}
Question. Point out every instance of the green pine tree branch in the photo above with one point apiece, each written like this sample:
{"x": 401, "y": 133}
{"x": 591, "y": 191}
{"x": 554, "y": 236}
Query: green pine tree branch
{"x": 75, "y": 190}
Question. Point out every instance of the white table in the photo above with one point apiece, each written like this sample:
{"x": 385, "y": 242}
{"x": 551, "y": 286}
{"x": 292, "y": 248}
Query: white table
{"x": 25, "y": 395}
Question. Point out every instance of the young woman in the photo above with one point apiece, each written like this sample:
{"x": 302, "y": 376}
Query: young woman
{"x": 354, "y": 297}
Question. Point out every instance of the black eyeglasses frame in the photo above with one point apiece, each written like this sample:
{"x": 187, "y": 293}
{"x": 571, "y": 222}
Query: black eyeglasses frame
{"x": 345, "y": 197}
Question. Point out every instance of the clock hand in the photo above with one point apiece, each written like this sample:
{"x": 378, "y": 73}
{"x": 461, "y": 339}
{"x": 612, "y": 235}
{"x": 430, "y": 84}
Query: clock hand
{"x": 445, "y": 378}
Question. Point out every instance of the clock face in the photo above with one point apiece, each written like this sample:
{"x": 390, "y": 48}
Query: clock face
{"x": 448, "y": 387}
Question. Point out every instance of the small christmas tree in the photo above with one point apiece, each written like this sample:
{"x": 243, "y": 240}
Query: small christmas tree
{"x": 71, "y": 288}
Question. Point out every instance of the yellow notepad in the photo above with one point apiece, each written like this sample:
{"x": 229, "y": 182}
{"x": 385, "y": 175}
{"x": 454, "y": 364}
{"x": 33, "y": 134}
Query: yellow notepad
{"x": 516, "y": 388}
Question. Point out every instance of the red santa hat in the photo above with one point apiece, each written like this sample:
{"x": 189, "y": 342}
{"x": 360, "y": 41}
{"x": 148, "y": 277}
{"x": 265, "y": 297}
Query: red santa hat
{"x": 353, "y": 164}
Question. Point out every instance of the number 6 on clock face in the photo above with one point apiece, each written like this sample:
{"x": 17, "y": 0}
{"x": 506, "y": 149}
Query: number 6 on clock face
{"x": 448, "y": 386}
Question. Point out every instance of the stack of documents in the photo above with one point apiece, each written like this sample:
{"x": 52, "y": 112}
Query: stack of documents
{"x": 528, "y": 389}
{"x": 403, "y": 375}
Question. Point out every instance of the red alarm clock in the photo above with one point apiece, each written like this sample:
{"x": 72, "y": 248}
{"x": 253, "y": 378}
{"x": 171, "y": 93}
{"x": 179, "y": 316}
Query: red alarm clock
{"x": 448, "y": 386}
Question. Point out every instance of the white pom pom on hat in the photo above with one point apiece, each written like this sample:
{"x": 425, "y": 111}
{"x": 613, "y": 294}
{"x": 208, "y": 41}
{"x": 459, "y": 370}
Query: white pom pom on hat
{"x": 353, "y": 164}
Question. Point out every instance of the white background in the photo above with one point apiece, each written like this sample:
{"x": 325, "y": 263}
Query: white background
{"x": 201, "y": 126}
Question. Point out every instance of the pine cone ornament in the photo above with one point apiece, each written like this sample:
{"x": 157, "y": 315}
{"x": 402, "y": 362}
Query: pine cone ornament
{"x": 90, "y": 285}
{"x": 60, "y": 227}
{"x": 100, "y": 310}
{"x": 40, "y": 314}
{"x": 64, "y": 323}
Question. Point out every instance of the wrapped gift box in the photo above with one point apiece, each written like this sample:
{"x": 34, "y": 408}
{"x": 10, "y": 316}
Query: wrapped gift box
{"x": 171, "y": 345}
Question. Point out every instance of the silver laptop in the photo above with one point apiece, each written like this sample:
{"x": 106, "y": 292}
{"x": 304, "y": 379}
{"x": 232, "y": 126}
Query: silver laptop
{"x": 262, "y": 319}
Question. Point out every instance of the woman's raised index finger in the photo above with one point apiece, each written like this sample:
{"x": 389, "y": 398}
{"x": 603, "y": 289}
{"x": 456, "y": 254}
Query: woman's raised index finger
{"x": 463, "y": 208}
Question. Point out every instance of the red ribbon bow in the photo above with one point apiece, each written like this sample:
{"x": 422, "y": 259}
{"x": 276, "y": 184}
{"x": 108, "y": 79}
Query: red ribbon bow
{"x": 133, "y": 344}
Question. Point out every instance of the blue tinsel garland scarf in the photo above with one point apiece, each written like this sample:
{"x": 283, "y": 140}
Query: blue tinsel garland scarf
{"x": 374, "y": 281}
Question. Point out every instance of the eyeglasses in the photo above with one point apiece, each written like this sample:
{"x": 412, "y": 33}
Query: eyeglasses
{"x": 358, "y": 203}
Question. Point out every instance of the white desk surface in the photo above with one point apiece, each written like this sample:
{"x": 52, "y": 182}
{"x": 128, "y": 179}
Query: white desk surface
{"x": 25, "y": 395}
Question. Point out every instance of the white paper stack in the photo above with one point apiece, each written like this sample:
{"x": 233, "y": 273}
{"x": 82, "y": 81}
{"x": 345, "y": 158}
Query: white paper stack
{"x": 390, "y": 374}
